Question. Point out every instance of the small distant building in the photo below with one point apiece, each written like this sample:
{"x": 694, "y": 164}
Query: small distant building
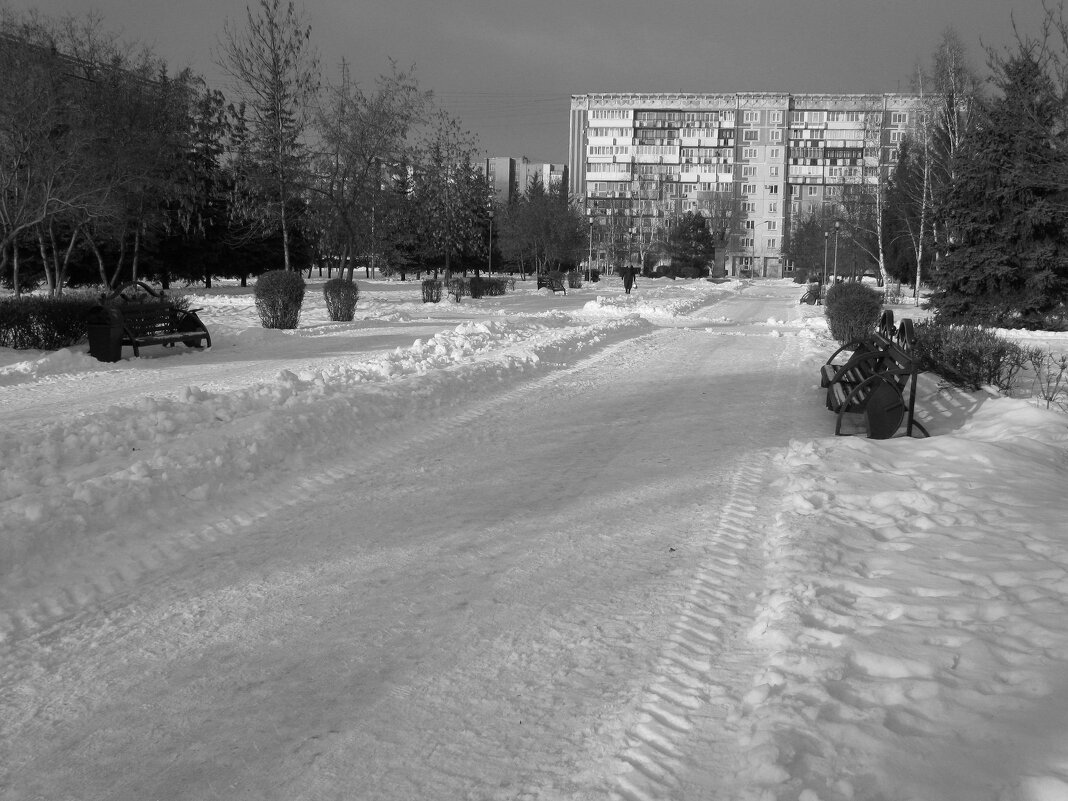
{"x": 509, "y": 177}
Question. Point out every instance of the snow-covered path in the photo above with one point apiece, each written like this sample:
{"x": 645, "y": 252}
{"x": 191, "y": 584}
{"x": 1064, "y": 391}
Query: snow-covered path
{"x": 601, "y": 547}
{"x": 519, "y": 599}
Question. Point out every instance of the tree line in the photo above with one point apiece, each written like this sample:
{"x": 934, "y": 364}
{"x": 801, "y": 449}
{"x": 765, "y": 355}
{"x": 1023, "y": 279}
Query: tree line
{"x": 977, "y": 201}
{"x": 113, "y": 168}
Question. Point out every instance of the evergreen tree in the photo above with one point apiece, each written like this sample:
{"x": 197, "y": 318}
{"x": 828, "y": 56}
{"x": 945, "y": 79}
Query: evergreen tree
{"x": 691, "y": 246}
{"x": 806, "y": 245}
{"x": 1006, "y": 213}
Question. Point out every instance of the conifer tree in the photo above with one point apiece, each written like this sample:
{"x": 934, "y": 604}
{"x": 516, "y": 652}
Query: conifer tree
{"x": 1006, "y": 213}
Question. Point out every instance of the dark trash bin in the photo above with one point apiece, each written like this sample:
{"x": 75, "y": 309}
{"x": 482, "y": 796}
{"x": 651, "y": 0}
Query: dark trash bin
{"x": 105, "y": 333}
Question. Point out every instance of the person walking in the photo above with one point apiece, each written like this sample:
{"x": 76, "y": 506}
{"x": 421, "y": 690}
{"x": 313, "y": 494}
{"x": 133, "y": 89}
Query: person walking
{"x": 628, "y": 278}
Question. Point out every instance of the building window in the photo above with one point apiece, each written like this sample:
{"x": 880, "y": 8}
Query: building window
{"x": 751, "y": 135}
{"x": 747, "y": 241}
{"x": 773, "y": 208}
{"x": 749, "y": 152}
{"x": 899, "y": 118}
{"x": 774, "y": 153}
{"x": 776, "y": 134}
{"x": 749, "y": 189}
{"x": 773, "y": 172}
{"x": 896, "y": 136}
{"x": 751, "y": 116}
{"x": 748, "y": 207}
{"x": 776, "y": 118}
{"x": 772, "y": 243}
{"x": 813, "y": 191}
{"x": 773, "y": 225}
{"x": 773, "y": 189}
{"x": 750, "y": 225}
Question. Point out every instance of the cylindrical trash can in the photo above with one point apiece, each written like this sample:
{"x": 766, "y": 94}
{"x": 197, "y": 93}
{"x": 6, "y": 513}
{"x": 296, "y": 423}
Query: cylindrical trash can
{"x": 105, "y": 333}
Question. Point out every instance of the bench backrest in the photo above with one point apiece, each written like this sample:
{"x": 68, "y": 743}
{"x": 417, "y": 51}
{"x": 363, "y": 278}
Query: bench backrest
{"x": 145, "y": 319}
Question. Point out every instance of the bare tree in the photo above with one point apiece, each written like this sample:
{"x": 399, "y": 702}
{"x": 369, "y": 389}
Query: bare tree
{"x": 277, "y": 72}
{"x": 366, "y": 142}
{"x": 452, "y": 198}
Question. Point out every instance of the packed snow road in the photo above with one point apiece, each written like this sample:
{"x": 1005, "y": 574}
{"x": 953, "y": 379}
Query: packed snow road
{"x": 544, "y": 590}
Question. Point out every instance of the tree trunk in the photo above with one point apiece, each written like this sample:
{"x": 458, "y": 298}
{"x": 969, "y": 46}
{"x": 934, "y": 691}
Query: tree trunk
{"x": 50, "y": 275}
{"x": 14, "y": 268}
{"x": 136, "y": 254}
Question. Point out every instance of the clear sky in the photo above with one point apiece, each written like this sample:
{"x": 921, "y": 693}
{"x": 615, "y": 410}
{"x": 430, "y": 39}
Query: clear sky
{"x": 508, "y": 68}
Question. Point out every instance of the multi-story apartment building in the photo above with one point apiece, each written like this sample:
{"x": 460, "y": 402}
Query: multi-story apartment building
{"x": 752, "y": 163}
{"x": 509, "y": 177}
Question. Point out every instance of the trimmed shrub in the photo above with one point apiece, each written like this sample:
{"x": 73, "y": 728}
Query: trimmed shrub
{"x": 476, "y": 287}
{"x": 431, "y": 291}
{"x": 495, "y": 287}
{"x": 279, "y": 296}
{"x": 459, "y": 287}
{"x": 574, "y": 280}
{"x": 341, "y": 296}
{"x": 970, "y": 356}
{"x": 852, "y": 311}
{"x": 42, "y": 323}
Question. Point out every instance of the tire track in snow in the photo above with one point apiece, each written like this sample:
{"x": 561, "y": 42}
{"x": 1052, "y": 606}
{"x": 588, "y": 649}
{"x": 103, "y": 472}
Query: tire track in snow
{"x": 679, "y": 698}
{"x": 681, "y": 707}
{"x": 112, "y": 573}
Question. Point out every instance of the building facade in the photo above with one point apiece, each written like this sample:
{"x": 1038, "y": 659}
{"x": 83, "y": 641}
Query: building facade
{"x": 508, "y": 177}
{"x": 752, "y": 163}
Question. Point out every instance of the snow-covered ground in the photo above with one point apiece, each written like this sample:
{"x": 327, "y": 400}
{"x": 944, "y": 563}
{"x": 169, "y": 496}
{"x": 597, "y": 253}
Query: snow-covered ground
{"x": 532, "y": 547}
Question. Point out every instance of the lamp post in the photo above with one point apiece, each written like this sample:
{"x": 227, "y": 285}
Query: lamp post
{"x": 826, "y": 236}
{"x": 589, "y": 261}
{"x": 837, "y": 225}
{"x": 489, "y": 250}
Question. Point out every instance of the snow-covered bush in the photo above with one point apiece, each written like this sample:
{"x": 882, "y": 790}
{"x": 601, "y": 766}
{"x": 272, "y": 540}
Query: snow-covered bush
{"x": 341, "y": 296}
{"x": 852, "y": 310}
{"x": 574, "y": 280}
{"x": 279, "y": 296}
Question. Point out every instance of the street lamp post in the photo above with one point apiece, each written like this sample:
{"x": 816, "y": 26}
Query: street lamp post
{"x": 837, "y": 225}
{"x": 489, "y": 250}
{"x": 589, "y": 261}
{"x": 826, "y": 236}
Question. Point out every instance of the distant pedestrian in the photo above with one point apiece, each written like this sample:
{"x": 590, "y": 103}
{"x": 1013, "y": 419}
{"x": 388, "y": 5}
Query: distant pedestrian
{"x": 628, "y": 278}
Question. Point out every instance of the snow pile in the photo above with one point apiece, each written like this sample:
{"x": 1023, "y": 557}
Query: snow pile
{"x": 60, "y": 362}
{"x": 917, "y": 589}
{"x": 162, "y": 453}
{"x": 658, "y": 302}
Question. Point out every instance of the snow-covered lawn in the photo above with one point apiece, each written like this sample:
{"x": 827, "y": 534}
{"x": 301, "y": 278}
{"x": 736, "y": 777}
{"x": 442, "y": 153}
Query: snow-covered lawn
{"x": 532, "y": 547}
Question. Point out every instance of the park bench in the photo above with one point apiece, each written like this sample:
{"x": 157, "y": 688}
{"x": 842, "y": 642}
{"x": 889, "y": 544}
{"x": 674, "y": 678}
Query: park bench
{"x": 146, "y": 317}
{"x": 885, "y": 329}
{"x": 813, "y": 296}
{"x": 553, "y": 282}
{"x": 879, "y": 382}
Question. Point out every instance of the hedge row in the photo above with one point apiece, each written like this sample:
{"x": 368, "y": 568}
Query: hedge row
{"x": 42, "y": 323}
{"x": 459, "y": 287}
